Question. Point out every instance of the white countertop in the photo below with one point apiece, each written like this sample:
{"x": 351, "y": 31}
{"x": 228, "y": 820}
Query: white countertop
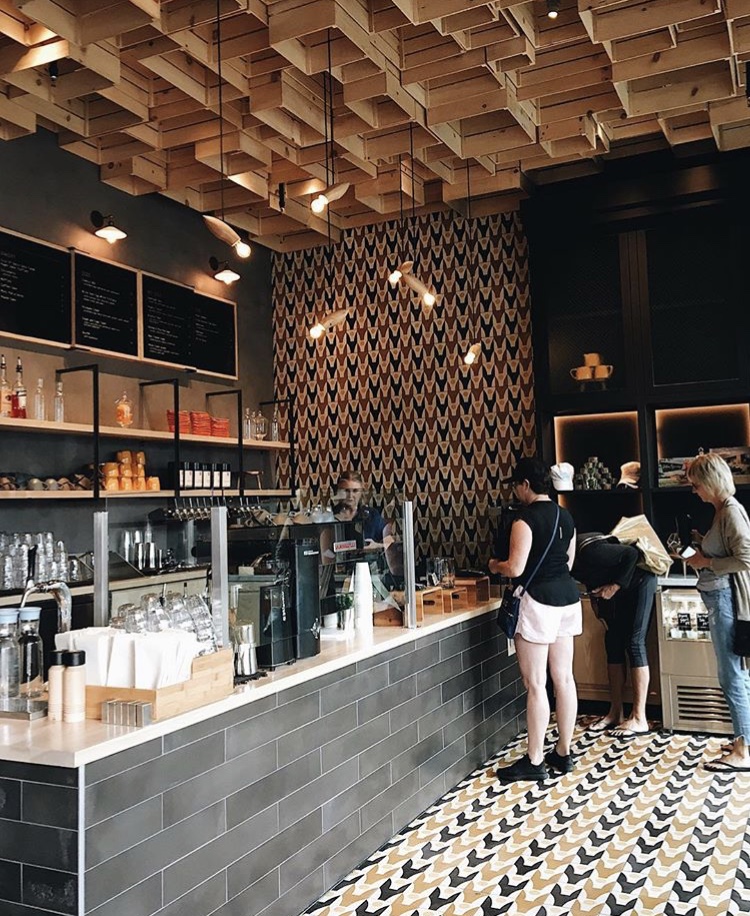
{"x": 74, "y": 744}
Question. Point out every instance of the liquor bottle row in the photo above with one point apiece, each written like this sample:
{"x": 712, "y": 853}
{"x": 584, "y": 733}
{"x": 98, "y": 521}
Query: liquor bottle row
{"x": 14, "y": 400}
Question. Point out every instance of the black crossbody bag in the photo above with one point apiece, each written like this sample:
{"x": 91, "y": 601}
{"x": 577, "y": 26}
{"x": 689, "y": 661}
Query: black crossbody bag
{"x": 507, "y": 614}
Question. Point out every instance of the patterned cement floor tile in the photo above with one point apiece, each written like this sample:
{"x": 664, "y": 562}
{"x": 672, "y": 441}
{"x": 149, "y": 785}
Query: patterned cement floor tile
{"x": 639, "y": 827}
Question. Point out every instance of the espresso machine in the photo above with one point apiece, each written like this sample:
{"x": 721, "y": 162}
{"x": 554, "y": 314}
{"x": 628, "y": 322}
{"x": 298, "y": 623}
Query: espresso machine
{"x": 277, "y": 574}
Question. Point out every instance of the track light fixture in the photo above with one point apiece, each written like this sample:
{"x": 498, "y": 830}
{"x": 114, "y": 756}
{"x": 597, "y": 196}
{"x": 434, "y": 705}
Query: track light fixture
{"x": 553, "y": 8}
{"x": 222, "y": 271}
{"x": 105, "y": 228}
{"x": 332, "y": 320}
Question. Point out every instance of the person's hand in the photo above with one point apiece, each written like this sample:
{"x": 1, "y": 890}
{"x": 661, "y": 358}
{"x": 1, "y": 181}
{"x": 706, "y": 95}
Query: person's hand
{"x": 698, "y": 560}
{"x": 606, "y": 591}
{"x": 493, "y": 567}
{"x": 695, "y": 536}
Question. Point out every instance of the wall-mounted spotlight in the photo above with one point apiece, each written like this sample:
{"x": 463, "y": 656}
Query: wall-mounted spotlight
{"x": 105, "y": 228}
{"x": 53, "y": 71}
{"x": 553, "y": 8}
{"x": 222, "y": 271}
{"x": 224, "y": 232}
{"x": 330, "y": 321}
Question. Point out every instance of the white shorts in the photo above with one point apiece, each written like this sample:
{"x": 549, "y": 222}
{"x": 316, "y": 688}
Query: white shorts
{"x": 542, "y": 623}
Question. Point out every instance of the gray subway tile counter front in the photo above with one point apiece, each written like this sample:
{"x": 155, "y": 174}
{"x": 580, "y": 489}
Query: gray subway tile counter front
{"x": 260, "y": 810}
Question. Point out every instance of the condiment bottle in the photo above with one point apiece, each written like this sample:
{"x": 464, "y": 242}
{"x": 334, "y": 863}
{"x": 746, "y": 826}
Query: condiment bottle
{"x": 30, "y": 664}
{"x": 5, "y": 392}
{"x": 74, "y": 686}
{"x": 55, "y": 689}
{"x": 8, "y": 652}
{"x": 124, "y": 410}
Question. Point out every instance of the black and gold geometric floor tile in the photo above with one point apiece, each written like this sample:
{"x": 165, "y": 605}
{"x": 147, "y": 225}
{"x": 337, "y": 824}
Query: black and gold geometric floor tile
{"x": 638, "y": 827}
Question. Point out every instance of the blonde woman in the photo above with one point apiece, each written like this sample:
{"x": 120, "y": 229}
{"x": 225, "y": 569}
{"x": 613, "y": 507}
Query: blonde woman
{"x": 724, "y": 550}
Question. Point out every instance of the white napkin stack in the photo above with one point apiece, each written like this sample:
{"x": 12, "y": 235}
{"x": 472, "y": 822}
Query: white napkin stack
{"x": 142, "y": 660}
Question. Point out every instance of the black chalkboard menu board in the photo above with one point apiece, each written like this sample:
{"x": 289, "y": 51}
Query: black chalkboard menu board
{"x": 106, "y": 306}
{"x": 185, "y": 328}
{"x": 34, "y": 289}
{"x": 214, "y": 335}
{"x": 167, "y": 321}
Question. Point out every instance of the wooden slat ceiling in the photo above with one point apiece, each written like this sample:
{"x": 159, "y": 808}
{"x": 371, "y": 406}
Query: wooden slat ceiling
{"x": 132, "y": 85}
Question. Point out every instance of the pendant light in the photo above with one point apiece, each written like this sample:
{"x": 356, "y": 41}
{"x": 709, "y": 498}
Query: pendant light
{"x": 475, "y": 350}
{"x": 332, "y": 191}
{"x": 337, "y": 317}
{"x": 219, "y": 227}
{"x": 404, "y": 269}
{"x": 104, "y": 228}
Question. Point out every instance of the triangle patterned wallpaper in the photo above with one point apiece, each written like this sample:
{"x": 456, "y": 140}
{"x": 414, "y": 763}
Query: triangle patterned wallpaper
{"x": 387, "y": 392}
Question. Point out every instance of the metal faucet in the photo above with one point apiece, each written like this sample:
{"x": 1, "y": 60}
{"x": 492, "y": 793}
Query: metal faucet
{"x": 61, "y": 593}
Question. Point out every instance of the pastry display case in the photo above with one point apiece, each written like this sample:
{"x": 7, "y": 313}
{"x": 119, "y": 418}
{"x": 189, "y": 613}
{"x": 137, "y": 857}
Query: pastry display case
{"x": 692, "y": 699}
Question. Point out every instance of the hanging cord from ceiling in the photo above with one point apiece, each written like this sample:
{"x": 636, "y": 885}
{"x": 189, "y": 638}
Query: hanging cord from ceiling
{"x": 222, "y": 164}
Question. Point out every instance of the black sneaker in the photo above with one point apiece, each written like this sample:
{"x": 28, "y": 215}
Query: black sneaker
{"x": 523, "y": 770}
{"x": 563, "y": 764}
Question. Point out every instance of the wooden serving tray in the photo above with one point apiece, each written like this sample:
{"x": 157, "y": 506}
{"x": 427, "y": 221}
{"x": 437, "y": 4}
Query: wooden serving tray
{"x": 212, "y": 679}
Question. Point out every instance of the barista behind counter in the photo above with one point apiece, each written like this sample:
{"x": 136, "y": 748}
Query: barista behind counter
{"x": 377, "y": 531}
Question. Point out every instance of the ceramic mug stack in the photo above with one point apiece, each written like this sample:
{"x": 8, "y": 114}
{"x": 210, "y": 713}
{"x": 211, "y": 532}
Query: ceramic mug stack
{"x": 593, "y": 369}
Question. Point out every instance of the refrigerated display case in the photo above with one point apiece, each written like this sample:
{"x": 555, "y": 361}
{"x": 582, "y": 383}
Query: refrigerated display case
{"x": 691, "y": 697}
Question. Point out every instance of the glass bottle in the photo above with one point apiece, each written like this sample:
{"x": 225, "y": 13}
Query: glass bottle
{"x": 8, "y": 653}
{"x": 40, "y": 405}
{"x": 30, "y": 666}
{"x": 247, "y": 431}
{"x": 58, "y": 404}
{"x": 275, "y": 426}
{"x": 124, "y": 410}
{"x": 261, "y": 425}
{"x": 18, "y": 396}
{"x": 5, "y": 392}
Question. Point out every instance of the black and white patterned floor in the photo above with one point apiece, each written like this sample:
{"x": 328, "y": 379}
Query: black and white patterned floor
{"x": 639, "y": 827}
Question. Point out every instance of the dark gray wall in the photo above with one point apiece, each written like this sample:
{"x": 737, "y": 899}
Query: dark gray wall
{"x": 48, "y": 193}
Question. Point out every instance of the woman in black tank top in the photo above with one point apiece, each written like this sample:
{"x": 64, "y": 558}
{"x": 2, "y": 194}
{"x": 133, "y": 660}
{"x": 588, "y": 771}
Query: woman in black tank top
{"x": 556, "y": 611}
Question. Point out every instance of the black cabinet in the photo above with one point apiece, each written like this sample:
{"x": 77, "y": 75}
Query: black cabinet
{"x": 659, "y": 296}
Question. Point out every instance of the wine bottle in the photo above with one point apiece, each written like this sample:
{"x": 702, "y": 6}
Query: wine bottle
{"x": 58, "y": 404}
{"x": 18, "y": 396}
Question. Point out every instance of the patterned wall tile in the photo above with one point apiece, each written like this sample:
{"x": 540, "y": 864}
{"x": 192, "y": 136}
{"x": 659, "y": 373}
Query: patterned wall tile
{"x": 388, "y": 392}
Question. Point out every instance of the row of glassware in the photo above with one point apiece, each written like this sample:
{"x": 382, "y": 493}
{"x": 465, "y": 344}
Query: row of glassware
{"x": 174, "y": 612}
{"x": 51, "y": 558}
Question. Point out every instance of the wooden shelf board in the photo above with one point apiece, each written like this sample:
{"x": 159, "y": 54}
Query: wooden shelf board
{"x": 118, "y": 432}
{"x": 131, "y": 494}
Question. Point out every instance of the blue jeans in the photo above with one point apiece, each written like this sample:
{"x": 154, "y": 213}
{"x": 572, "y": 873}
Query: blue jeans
{"x": 734, "y": 680}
